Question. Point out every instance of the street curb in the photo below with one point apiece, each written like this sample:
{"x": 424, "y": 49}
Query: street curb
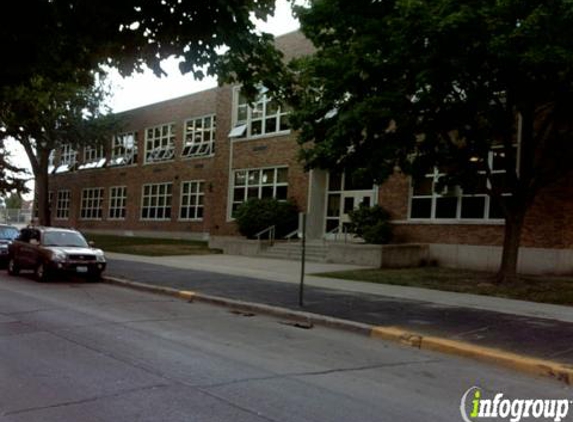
{"x": 534, "y": 366}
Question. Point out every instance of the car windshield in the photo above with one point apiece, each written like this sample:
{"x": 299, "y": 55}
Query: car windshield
{"x": 56, "y": 238}
{"x": 8, "y": 233}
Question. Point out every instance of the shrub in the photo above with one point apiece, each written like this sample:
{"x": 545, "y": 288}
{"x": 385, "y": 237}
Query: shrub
{"x": 256, "y": 215}
{"x": 371, "y": 223}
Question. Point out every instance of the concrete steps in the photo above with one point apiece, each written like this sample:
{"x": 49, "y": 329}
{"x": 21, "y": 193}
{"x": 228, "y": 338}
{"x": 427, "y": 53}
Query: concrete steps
{"x": 316, "y": 251}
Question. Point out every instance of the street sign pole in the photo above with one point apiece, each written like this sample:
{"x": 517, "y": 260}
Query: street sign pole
{"x": 303, "y": 259}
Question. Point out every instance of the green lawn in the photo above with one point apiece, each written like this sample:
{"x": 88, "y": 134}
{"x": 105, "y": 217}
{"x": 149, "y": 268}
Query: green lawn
{"x": 544, "y": 289}
{"x": 149, "y": 246}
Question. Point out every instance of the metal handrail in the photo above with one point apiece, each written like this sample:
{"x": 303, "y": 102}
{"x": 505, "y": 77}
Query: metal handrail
{"x": 271, "y": 231}
{"x": 336, "y": 231}
{"x": 292, "y": 234}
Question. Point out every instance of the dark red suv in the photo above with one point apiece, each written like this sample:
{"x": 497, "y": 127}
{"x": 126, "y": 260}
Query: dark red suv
{"x": 49, "y": 250}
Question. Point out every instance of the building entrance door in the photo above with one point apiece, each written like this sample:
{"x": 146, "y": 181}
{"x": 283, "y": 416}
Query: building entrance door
{"x": 342, "y": 197}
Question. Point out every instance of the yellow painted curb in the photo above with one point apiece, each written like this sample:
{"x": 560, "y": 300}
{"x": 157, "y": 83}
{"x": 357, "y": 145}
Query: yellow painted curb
{"x": 186, "y": 294}
{"x": 534, "y": 366}
{"x": 396, "y": 334}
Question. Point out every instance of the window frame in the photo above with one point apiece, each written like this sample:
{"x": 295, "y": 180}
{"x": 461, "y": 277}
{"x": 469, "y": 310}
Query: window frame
{"x": 117, "y": 203}
{"x": 459, "y": 195}
{"x": 197, "y": 192}
{"x": 238, "y": 133}
{"x": 93, "y": 153}
{"x": 91, "y": 205}
{"x": 63, "y": 204}
{"x": 259, "y": 186}
{"x": 167, "y": 207}
{"x": 130, "y": 155}
{"x": 206, "y": 146}
{"x": 165, "y": 151}
{"x": 68, "y": 155}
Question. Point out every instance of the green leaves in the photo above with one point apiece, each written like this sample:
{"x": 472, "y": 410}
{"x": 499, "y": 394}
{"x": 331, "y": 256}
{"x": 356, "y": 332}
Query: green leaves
{"x": 426, "y": 69}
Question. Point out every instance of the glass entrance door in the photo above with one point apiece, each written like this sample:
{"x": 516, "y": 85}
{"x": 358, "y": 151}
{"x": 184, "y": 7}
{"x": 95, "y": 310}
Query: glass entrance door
{"x": 342, "y": 197}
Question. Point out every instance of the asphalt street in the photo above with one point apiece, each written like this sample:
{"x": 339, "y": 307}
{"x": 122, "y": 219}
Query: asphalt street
{"x": 75, "y": 351}
{"x": 538, "y": 337}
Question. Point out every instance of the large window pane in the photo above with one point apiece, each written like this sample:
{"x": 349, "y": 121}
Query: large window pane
{"x": 421, "y": 208}
{"x": 473, "y": 207}
{"x": 446, "y": 207}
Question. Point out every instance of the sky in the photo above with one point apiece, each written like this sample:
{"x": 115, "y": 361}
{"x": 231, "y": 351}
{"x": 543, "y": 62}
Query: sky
{"x": 146, "y": 88}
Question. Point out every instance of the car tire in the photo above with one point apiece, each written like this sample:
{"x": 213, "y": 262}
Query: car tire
{"x": 13, "y": 268}
{"x": 41, "y": 273}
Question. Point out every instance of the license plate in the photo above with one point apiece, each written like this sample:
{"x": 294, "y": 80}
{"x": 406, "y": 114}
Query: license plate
{"x": 82, "y": 269}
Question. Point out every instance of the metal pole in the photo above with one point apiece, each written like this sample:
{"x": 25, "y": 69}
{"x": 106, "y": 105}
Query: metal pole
{"x": 303, "y": 259}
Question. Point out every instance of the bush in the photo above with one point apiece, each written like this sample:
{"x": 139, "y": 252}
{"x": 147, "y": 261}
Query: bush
{"x": 256, "y": 215}
{"x": 371, "y": 223}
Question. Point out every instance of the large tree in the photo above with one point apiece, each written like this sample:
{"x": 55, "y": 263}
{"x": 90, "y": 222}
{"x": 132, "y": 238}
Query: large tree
{"x": 59, "y": 38}
{"x": 442, "y": 83}
{"x": 44, "y": 115}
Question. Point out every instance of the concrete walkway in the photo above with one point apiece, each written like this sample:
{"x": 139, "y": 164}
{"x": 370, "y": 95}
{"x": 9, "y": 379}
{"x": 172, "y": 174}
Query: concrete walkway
{"x": 289, "y": 272}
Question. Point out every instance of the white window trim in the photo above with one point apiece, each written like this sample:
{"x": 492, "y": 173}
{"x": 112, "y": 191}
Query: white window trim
{"x": 210, "y": 144}
{"x": 237, "y": 129}
{"x": 141, "y": 218}
{"x": 68, "y": 155}
{"x": 92, "y": 209}
{"x": 68, "y": 159}
{"x": 116, "y": 198}
{"x": 459, "y": 195}
{"x": 163, "y": 150}
{"x": 197, "y": 194}
{"x": 130, "y": 155}
{"x": 231, "y": 192}
{"x": 93, "y": 153}
{"x": 69, "y": 203}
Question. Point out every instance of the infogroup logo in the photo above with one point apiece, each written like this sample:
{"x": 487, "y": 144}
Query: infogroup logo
{"x": 474, "y": 406}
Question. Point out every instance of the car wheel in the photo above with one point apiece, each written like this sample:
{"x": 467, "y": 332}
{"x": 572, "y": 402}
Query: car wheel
{"x": 41, "y": 273}
{"x": 13, "y": 269}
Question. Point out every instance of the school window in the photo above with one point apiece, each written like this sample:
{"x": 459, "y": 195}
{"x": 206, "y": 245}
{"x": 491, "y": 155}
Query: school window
{"x": 156, "y": 201}
{"x": 94, "y": 157}
{"x": 263, "y": 117}
{"x": 63, "y": 205}
{"x": 199, "y": 137}
{"x": 117, "y": 202}
{"x": 259, "y": 183}
{"x": 160, "y": 143}
{"x": 93, "y": 153}
{"x": 124, "y": 149}
{"x": 451, "y": 202}
{"x": 192, "y": 200}
{"x": 68, "y": 155}
{"x": 91, "y": 205}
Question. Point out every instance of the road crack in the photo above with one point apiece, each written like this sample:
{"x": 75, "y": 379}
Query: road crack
{"x": 87, "y": 400}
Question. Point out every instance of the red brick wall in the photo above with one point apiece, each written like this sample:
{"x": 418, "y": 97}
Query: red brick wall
{"x": 548, "y": 222}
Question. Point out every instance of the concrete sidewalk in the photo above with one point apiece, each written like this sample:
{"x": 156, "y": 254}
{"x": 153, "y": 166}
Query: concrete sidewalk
{"x": 535, "y": 338}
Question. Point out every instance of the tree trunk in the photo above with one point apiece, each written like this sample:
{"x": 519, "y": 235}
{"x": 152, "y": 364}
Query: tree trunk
{"x": 42, "y": 199}
{"x": 42, "y": 187}
{"x": 513, "y": 228}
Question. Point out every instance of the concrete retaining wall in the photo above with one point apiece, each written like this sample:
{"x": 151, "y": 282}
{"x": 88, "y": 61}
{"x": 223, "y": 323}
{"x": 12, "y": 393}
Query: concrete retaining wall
{"x": 232, "y": 245}
{"x": 488, "y": 258}
{"x": 379, "y": 256}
